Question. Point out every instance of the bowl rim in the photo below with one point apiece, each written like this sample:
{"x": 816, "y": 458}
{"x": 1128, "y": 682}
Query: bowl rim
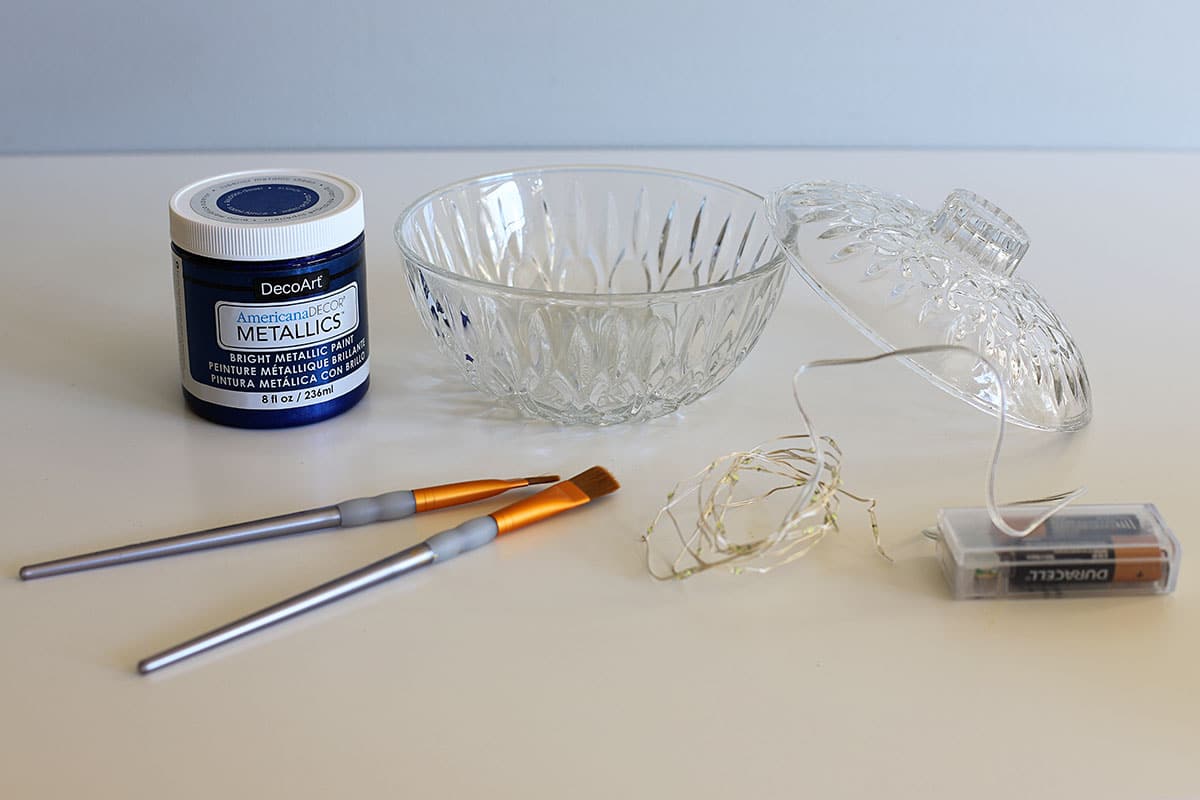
{"x": 775, "y": 263}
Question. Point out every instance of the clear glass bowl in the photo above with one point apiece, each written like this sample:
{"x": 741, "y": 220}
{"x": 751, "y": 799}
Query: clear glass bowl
{"x": 592, "y": 294}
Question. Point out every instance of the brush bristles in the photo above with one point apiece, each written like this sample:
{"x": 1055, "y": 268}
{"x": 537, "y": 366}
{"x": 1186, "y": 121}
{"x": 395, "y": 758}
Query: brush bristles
{"x": 536, "y": 479}
{"x": 595, "y": 482}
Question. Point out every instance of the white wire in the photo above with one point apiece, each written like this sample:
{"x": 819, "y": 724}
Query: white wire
{"x": 993, "y": 507}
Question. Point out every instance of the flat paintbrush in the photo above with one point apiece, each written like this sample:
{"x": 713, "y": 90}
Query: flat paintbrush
{"x": 577, "y": 491}
{"x": 346, "y": 514}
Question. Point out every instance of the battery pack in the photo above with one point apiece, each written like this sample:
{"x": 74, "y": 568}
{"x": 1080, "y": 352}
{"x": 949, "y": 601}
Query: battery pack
{"x": 1080, "y": 551}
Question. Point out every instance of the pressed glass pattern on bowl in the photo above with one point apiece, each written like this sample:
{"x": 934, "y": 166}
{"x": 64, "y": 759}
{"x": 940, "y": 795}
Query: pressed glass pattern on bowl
{"x": 592, "y": 295}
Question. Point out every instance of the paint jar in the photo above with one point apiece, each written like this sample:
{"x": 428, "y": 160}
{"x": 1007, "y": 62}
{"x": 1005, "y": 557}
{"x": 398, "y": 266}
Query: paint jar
{"x": 270, "y": 297}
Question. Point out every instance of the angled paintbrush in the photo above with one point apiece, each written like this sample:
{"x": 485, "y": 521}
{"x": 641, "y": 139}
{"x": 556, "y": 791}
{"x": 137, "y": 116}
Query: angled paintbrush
{"x": 577, "y": 491}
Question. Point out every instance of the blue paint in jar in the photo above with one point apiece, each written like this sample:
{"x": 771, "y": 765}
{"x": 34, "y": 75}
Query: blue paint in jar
{"x": 270, "y": 293}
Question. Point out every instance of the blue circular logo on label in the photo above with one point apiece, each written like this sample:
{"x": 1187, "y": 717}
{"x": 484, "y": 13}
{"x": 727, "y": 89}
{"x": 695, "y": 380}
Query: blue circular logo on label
{"x": 267, "y": 200}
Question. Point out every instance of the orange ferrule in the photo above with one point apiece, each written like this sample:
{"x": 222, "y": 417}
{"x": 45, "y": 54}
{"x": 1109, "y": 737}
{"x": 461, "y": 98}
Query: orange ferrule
{"x": 558, "y": 498}
{"x": 453, "y": 494}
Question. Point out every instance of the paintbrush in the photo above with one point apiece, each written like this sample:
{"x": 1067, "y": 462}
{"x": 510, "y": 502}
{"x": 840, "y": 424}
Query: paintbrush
{"x": 577, "y": 491}
{"x": 346, "y": 514}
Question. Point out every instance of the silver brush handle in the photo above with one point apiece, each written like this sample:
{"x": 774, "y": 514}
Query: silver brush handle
{"x": 348, "y": 513}
{"x": 370, "y": 575}
{"x": 299, "y": 522}
{"x": 440, "y": 547}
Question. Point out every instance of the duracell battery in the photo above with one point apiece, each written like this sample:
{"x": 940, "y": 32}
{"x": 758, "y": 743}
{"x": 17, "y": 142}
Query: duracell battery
{"x": 1107, "y": 549}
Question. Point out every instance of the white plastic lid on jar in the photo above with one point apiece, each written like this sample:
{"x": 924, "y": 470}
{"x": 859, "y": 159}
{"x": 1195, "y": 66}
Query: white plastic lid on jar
{"x": 266, "y": 215}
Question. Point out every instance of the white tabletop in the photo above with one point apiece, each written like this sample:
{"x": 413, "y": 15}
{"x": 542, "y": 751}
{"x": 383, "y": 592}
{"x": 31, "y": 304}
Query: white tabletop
{"x": 550, "y": 665}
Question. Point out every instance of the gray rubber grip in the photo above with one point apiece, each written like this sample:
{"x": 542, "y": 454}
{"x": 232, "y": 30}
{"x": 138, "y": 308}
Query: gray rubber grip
{"x": 471, "y": 534}
{"x": 362, "y": 510}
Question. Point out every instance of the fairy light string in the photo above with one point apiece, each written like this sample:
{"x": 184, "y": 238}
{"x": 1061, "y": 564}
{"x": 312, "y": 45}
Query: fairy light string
{"x": 697, "y": 512}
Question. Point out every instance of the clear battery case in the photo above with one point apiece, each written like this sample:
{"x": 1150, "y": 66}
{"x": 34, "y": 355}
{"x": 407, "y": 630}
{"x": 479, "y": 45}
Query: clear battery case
{"x": 1080, "y": 551}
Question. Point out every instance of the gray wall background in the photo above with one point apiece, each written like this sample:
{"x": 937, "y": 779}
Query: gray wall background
{"x": 138, "y": 75}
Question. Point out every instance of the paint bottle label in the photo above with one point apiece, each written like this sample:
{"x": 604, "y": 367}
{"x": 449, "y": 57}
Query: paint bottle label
{"x": 272, "y": 341}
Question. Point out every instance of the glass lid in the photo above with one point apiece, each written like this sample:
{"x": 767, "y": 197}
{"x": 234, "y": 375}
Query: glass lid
{"x": 908, "y": 277}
